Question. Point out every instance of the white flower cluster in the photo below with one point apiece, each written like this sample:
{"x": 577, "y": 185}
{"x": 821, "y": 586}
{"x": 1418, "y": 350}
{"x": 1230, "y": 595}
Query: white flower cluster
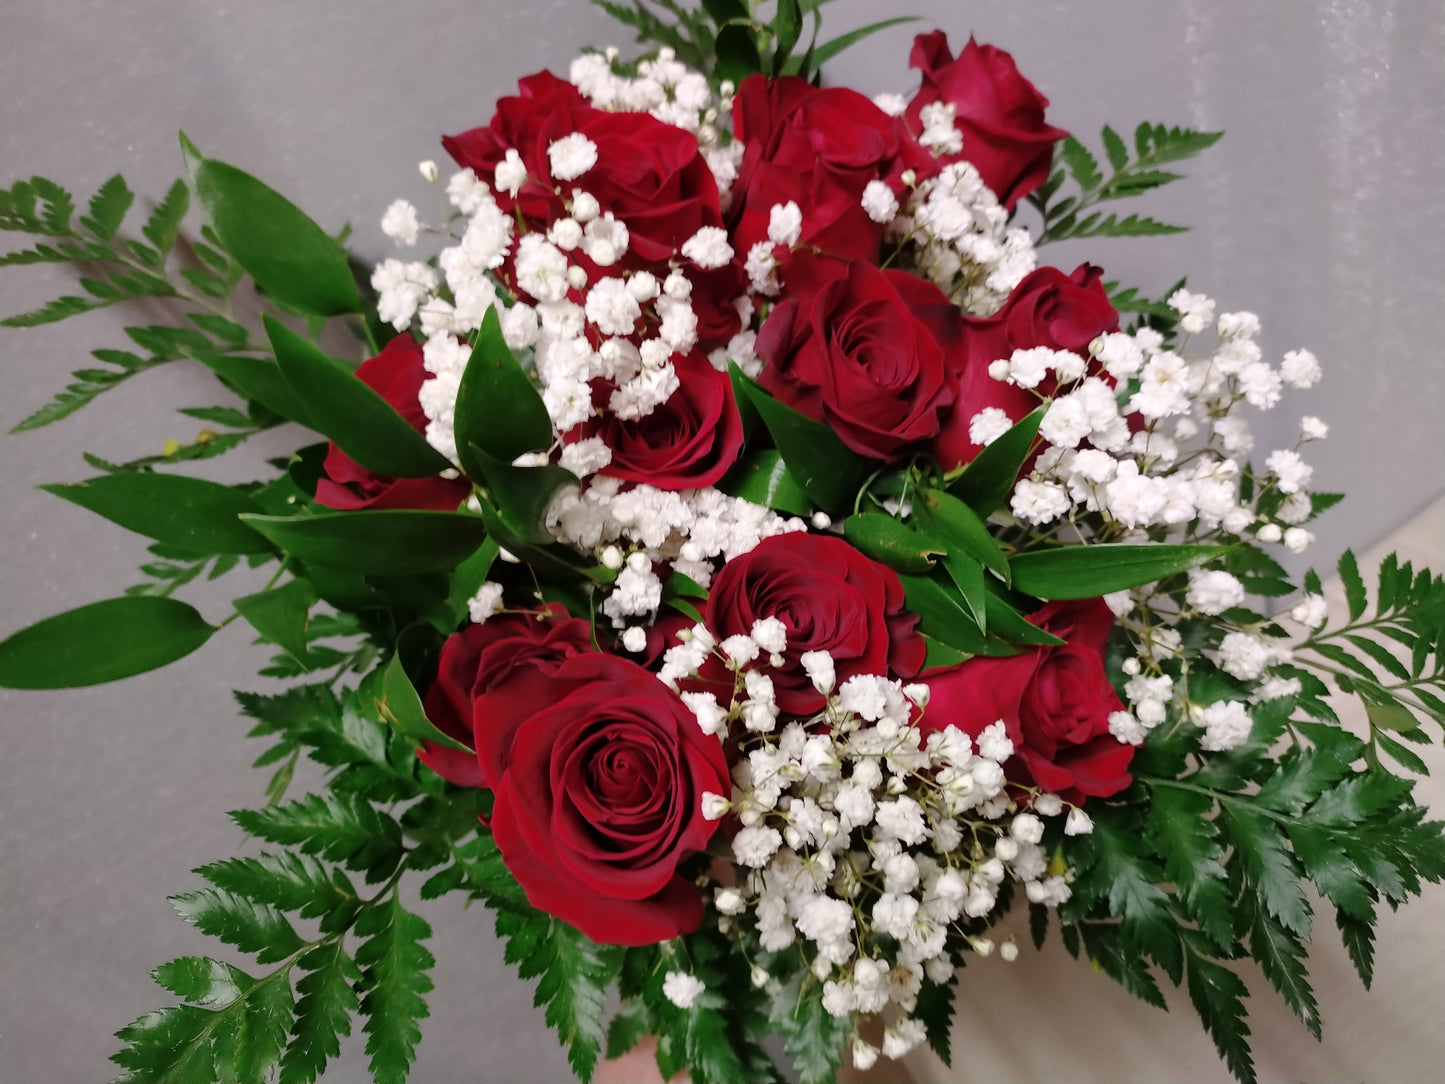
{"x": 959, "y": 238}
{"x": 864, "y": 840}
{"x": 665, "y": 87}
{"x": 1165, "y": 449}
{"x": 641, "y": 527}
{"x": 1160, "y": 454}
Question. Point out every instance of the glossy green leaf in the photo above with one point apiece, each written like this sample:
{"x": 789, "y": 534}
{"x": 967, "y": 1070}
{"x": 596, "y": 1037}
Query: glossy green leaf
{"x": 469, "y": 576}
{"x": 787, "y": 28}
{"x": 189, "y": 513}
{"x": 101, "y": 642}
{"x": 940, "y": 654}
{"x": 259, "y": 379}
{"x": 1006, "y": 622}
{"x": 893, "y": 543}
{"x": 967, "y": 576}
{"x": 522, "y": 494}
{"x": 829, "y": 49}
{"x": 1070, "y": 572}
{"x": 280, "y": 615}
{"x": 401, "y": 708}
{"x": 386, "y": 542}
{"x": 498, "y": 410}
{"x": 944, "y": 618}
{"x": 989, "y": 477}
{"x": 763, "y": 478}
{"x": 955, "y": 522}
{"x": 291, "y": 258}
{"x": 363, "y": 424}
{"x": 827, "y": 469}
{"x": 737, "y": 53}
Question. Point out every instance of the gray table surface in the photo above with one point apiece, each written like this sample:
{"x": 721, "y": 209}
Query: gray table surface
{"x": 1321, "y": 211}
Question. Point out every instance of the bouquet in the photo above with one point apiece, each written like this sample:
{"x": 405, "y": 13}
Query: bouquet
{"x": 748, "y": 568}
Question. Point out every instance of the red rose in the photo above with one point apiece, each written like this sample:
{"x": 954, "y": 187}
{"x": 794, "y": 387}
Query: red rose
{"x": 871, "y": 353}
{"x": 599, "y": 795}
{"x": 1055, "y": 702}
{"x": 830, "y": 598}
{"x": 648, "y": 175}
{"x": 685, "y": 443}
{"x": 477, "y": 660}
{"x": 818, "y": 149}
{"x": 1048, "y": 308}
{"x": 998, "y": 111}
{"x": 396, "y": 374}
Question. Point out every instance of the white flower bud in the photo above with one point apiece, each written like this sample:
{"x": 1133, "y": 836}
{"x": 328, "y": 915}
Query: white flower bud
{"x": 1009, "y": 951}
{"x": 428, "y": 171}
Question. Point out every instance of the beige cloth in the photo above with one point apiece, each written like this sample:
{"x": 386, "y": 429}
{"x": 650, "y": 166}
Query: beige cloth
{"x": 1048, "y": 1017}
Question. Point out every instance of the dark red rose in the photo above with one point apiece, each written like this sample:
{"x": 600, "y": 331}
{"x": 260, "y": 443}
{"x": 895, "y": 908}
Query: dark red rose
{"x": 871, "y": 353}
{"x": 685, "y": 443}
{"x": 998, "y": 111}
{"x": 396, "y": 374}
{"x": 477, "y": 660}
{"x": 598, "y": 797}
{"x": 649, "y": 175}
{"x": 1055, "y": 702}
{"x": 830, "y": 598}
{"x": 818, "y": 148}
{"x": 1048, "y": 308}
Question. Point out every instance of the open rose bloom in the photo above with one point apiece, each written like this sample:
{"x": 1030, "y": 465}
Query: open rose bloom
{"x": 776, "y": 585}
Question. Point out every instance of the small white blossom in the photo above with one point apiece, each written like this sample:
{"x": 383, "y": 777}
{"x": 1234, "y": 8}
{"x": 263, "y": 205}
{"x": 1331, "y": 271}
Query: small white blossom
{"x": 879, "y": 202}
{"x": 988, "y": 425}
{"x": 785, "y": 224}
{"x": 487, "y": 601}
{"x": 1214, "y": 591}
{"x": 1300, "y": 369}
{"x": 400, "y": 223}
{"x": 754, "y": 847}
{"x": 682, "y": 989}
{"x": 1292, "y": 472}
{"x": 571, "y": 156}
{"x": 1310, "y": 611}
{"x": 1078, "y": 823}
{"x": 708, "y": 247}
{"x": 1226, "y": 725}
{"x": 511, "y": 173}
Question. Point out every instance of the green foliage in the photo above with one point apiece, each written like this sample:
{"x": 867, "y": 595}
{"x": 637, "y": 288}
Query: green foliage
{"x": 989, "y": 477}
{"x": 763, "y": 478}
{"x": 1392, "y": 658}
{"x": 188, "y": 513}
{"x": 393, "y": 980}
{"x": 323, "y": 1011}
{"x": 827, "y": 469}
{"x": 111, "y": 269}
{"x": 729, "y": 39}
{"x": 363, "y": 424}
{"x": 1129, "y": 175}
{"x": 101, "y": 642}
{"x": 290, "y": 257}
{"x": 813, "y": 1037}
{"x": 386, "y": 541}
{"x": 1068, "y": 572}
{"x": 339, "y": 827}
{"x": 573, "y": 972}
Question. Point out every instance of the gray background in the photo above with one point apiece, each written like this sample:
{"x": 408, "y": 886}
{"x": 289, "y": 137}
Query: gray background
{"x": 1321, "y": 211}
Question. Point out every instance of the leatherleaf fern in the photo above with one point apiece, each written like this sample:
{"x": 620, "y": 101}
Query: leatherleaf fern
{"x": 1206, "y": 859}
